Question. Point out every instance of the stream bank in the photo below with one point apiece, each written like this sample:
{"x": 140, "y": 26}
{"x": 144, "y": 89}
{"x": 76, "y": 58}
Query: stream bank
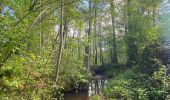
{"x": 95, "y": 88}
{"x": 98, "y": 83}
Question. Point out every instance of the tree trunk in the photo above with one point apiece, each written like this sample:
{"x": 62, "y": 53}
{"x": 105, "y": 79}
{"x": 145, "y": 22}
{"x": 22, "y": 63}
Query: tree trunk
{"x": 95, "y": 36}
{"x": 1, "y": 7}
{"x": 87, "y": 48}
{"x": 114, "y": 58}
{"x": 61, "y": 38}
{"x": 100, "y": 45}
{"x": 132, "y": 52}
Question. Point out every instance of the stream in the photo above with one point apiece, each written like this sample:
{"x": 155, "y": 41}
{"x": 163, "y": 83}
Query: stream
{"x": 96, "y": 87}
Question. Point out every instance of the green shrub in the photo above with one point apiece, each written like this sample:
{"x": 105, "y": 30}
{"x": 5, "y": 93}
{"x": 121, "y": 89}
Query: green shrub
{"x": 26, "y": 78}
{"x": 133, "y": 85}
{"x": 96, "y": 97}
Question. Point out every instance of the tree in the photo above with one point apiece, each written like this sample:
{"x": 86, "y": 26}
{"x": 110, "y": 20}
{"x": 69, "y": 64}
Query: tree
{"x": 87, "y": 48}
{"x": 61, "y": 37}
{"x": 112, "y": 11}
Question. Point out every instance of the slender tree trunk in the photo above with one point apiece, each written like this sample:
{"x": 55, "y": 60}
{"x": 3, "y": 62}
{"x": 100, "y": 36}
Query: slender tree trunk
{"x": 95, "y": 36}
{"x": 132, "y": 53}
{"x": 114, "y": 58}
{"x": 41, "y": 33}
{"x": 1, "y": 7}
{"x": 111, "y": 52}
{"x": 61, "y": 38}
{"x": 79, "y": 47}
{"x": 41, "y": 40}
{"x": 87, "y": 48}
{"x": 100, "y": 45}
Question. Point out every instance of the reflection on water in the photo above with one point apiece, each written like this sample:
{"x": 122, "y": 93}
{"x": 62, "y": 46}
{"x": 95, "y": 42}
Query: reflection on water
{"x": 96, "y": 87}
{"x": 77, "y": 96}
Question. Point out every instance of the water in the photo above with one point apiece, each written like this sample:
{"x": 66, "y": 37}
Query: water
{"x": 77, "y": 96}
{"x": 96, "y": 87}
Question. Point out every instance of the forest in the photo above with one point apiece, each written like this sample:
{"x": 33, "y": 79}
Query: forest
{"x": 84, "y": 49}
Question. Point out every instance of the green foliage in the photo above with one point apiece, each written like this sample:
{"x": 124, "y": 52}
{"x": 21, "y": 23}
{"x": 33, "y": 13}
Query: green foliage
{"x": 29, "y": 47}
{"x": 25, "y": 77}
{"x": 133, "y": 85}
{"x": 96, "y": 97}
{"x": 150, "y": 59}
{"x": 167, "y": 81}
{"x": 120, "y": 87}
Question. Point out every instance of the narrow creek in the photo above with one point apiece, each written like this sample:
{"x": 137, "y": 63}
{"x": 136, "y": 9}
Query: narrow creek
{"x": 96, "y": 87}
